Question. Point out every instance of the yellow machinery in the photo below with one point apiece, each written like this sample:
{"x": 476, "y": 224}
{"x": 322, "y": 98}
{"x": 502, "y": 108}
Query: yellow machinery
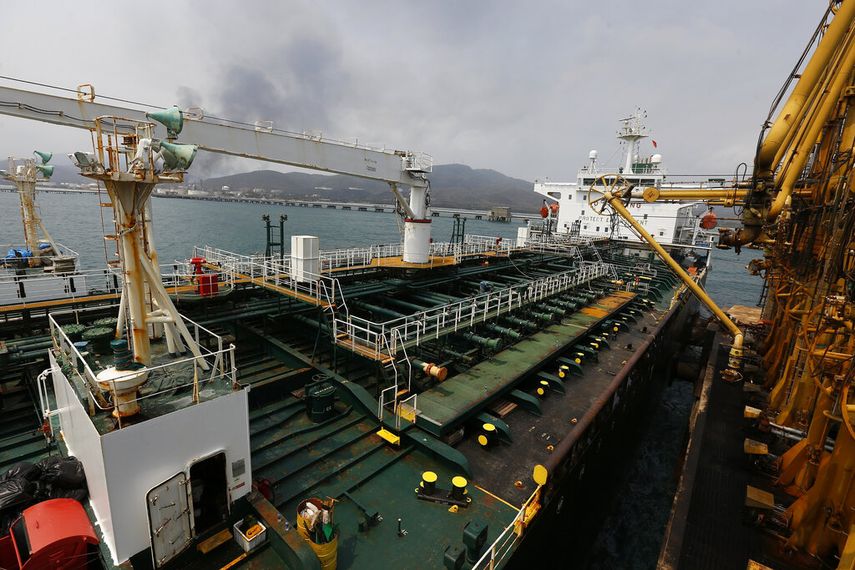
{"x": 799, "y": 205}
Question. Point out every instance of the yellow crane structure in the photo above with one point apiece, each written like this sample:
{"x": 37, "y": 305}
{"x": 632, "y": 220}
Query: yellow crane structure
{"x": 799, "y": 206}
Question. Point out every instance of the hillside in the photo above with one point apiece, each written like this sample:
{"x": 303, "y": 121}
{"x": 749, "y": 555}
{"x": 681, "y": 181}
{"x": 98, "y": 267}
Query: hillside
{"x": 452, "y": 185}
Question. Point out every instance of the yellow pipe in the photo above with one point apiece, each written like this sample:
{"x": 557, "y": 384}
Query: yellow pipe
{"x": 736, "y": 350}
{"x": 802, "y": 151}
{"x": 651, "y": 194}
{"x": 809, "y": 77}
{"x": 809, "y": 108}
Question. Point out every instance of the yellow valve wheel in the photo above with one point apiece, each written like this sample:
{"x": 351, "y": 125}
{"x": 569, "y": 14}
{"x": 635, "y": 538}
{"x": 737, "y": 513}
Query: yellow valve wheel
{"x": 605, "y": 187}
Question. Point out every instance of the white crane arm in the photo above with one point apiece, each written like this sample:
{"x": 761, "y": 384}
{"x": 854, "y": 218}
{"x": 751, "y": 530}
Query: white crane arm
{"x": 215, "y": 135}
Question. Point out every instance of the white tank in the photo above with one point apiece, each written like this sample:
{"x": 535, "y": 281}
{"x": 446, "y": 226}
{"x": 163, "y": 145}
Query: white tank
{"x": 417, "y": 242}
{"x": 656, "y": 159}
{"x": 593, "y": 155}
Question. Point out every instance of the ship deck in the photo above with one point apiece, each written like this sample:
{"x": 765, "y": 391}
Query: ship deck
{"x": 374, "y": 482}
{"x": 501, "y": 467}
{"x": 345, "y": 459}
{"x": 444, "y": 407}
{"x": 709, "y": 528}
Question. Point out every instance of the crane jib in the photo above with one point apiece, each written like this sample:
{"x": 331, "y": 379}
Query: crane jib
{"x": 214, "y": 135}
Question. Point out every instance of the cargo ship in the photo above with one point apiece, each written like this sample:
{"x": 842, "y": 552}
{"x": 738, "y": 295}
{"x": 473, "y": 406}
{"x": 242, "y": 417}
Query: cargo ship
{"x": 424, "y": 404}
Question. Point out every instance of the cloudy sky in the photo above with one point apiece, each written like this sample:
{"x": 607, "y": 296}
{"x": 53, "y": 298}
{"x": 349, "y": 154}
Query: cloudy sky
{"x": 523, "y": 87}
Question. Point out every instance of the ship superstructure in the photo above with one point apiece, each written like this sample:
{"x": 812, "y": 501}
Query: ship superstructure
{"x": 670, "y": 222}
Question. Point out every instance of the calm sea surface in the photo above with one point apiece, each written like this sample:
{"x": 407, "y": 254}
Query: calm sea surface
{"x": 75, "y": 220}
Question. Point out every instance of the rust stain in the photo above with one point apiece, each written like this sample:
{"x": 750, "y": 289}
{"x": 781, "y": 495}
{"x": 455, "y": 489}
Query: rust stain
{"x": 594, "y": 312}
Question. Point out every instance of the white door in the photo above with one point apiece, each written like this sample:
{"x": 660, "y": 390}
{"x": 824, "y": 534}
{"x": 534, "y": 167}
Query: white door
{"x": 170, "y": 519}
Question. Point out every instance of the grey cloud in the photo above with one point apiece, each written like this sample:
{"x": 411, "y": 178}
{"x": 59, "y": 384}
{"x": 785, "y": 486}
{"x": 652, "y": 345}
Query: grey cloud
{"x": 526, "y": 88}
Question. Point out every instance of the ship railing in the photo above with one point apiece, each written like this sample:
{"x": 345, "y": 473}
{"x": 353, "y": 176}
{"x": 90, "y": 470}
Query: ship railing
{"x": 178, "y": 275}
{"x": 432, "y": 323}
{"x": 474, "y": 244}
{"x": 359, "y": 334}
{"x": 277, "y": 272}
{"x": 391, "y": 393}
{"x": 358, "y": 257}
{"x": 236, "y": 263}
{"x": 216, "y": 363}
{"x": 310, "y": 287}
{"x": 27, "y": 289}
{"x": 496, "y": 553}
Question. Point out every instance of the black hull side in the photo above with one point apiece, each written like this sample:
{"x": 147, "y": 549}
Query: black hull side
{"x": 584, "y": 478}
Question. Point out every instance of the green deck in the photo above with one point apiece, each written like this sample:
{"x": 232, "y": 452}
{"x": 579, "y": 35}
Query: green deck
{"x": 445, "y": 406}
{"x": 344, "y": 458}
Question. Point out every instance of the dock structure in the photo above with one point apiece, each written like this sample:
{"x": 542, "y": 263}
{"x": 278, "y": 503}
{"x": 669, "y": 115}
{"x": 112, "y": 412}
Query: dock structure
{"x": 495, "y": 214}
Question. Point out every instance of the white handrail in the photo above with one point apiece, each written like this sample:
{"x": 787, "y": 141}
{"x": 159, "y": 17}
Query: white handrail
{"x": 413, "y": 329}
{"x": 501, "y": 547}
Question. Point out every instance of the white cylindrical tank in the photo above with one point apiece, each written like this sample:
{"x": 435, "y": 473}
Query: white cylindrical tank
{"x": 656, "y": 159}
{"x": 417, "y": 241}
{"x": 417, "y": 230}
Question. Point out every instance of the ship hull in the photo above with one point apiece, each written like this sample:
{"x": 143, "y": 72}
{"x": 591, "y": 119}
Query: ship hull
{"x": 584, "y": 479}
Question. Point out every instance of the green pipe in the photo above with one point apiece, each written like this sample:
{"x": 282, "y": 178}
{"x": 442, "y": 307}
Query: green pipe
{"x": 504, "y": 331}
{"x": 542, "y": 317}
{"x": 558, "y": 313}
{"x": 382, "y": 311}
{"x": 406, "y": 304}
{"x": 488, "y": 343}
{"x": 459, "y": 355}
{"x": 521, "y": 322}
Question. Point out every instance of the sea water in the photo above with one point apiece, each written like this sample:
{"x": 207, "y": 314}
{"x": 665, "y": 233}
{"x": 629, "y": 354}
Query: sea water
{"x": 75, "y": 220}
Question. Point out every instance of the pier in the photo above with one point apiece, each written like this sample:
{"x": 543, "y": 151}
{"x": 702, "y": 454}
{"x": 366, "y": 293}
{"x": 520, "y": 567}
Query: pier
{"x": 356, "y": 206}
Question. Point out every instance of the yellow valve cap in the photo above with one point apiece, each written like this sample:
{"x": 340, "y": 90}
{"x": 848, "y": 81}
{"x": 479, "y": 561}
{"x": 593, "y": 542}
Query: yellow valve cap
{"x": 540, "y": 474}
{"x": 489, "y": 427}
{"x": 561, "y": 374}
{"x": 540, "y": 392}
{"x": 482, "y": 439}
{"x": 459, "y": 482}
{"x": 615, "y": 329}
{"x": 429, "y": 477}
{"x": 577, "y": 360}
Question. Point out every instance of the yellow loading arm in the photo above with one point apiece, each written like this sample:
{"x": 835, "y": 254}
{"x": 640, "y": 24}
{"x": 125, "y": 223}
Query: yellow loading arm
{"x": 616, "y": 193}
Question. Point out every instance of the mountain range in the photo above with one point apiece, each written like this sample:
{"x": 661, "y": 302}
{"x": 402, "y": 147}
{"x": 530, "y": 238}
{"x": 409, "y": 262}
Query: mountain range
{"x": 452, "y": 186}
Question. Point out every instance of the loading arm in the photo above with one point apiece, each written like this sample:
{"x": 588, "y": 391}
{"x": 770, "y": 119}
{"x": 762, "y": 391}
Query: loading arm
{"x": 616, "y": 195}
{"x": 784, "y": 151}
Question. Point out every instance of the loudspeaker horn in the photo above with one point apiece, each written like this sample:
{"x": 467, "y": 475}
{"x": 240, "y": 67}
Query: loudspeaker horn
{"x": 45, "y": 169}
{"x": 45, "y": 156}
{"x": 172, "y": 119}
{"x": 177, "y": 156}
